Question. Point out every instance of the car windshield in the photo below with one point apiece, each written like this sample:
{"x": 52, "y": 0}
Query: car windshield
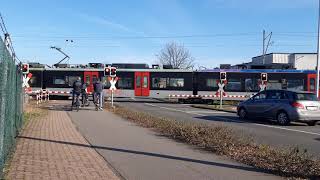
{"x": 306, "y": 96}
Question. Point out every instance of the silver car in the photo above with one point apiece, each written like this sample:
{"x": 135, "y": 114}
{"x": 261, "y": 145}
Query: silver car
{"x": 283, "y": 106}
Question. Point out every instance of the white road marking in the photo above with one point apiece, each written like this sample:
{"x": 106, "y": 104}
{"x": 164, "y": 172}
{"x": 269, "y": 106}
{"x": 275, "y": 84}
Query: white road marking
{"x": 288, "y": 129}
{"x": 231, "y": 120}
{"x": 210, "y": 112}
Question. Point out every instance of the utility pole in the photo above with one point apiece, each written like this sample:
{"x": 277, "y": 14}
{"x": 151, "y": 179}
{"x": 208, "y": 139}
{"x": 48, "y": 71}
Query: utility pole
{"x": 265, "y": 46}
{"x": 318, "y": 51}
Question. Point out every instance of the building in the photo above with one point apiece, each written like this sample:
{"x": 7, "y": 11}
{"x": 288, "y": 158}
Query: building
{"x": 300, "y": 61}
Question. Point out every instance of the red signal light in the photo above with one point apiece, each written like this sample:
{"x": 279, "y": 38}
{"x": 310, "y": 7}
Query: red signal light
{"x": 25, "y": 68}
{"x": 113, "y": 72}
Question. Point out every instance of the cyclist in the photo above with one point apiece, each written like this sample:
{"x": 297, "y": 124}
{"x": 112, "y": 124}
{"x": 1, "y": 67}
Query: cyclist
{"x": 76, "y": 90}
{"x": 98, "y": 93}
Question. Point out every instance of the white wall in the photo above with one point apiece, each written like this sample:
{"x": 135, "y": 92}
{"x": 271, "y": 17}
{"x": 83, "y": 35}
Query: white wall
{"x": 271, "y": 58}
{"x": 304, "y": 61}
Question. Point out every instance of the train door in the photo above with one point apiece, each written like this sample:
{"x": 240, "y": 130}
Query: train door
{"x": 311, "y": 85}
{"x": 142, "y": 84}
{"x": 90, "y": 77}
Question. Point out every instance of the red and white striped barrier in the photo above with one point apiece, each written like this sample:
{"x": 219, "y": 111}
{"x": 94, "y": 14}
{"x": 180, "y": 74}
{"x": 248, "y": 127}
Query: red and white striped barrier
{"x": 59, "y": 92}
{"x": 206, "y": 96}
{"x": 42, "y": 95}
{"x": 52, "y": 92}
{"x": 64, "y": 92}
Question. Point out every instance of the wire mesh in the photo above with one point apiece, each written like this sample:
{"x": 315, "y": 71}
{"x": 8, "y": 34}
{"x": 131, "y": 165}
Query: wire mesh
{"x": 11, "y": 106}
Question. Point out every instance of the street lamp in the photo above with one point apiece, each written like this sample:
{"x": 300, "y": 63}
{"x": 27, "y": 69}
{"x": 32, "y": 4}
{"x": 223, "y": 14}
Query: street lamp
{"x": 318, "y": 51}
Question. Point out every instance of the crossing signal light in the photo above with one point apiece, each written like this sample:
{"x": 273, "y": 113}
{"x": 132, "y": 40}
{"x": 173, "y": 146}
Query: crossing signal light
{"x": 25, "y": 68}
{"x": 113, "y": 72}
{"x": 264, "y": 77}
{"x": 106, "y": 71}
{"x": 223, "y": 76}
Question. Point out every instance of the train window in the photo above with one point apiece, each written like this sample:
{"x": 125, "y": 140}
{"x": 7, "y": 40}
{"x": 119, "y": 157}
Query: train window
{"x": 211, "y": 83}
{"x": 59, "y": 80}
{"x": 295, "y": 84}
{"x": 138, "y": 82}
{"x": 159, "y": 82}
{"x": 125, "y": 83}
{"x": 233, "y": 85}
{"x": 176, "y": 82}
{"x": 274, "y": 84}
{"x": 33, "y": 80}
{"x": 251, "y": 85}
{"x": 71, "y": 79}
{"x": 145, "y": 82}
{"x": 312, "y": 84}
{"x": 106, "y": 82}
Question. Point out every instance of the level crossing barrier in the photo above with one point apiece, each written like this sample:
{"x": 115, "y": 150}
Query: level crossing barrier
{"x": 42, "y": 96}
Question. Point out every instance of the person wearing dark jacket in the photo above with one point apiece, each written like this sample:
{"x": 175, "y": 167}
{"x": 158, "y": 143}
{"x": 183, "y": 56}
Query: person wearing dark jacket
{"x": 98, "y": 93}
{"x": 76, "y": 89}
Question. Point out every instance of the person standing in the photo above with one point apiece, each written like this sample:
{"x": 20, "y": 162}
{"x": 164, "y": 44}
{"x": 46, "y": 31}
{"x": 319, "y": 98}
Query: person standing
{"x": 98, "y": 93}
{"x": 76, "y": 89}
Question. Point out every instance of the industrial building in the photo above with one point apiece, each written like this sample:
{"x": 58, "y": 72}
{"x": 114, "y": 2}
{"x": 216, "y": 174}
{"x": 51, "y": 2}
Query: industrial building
{"x": 299, "y": 61}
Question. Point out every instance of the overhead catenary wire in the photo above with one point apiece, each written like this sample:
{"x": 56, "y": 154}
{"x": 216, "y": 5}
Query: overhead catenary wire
{"x": 7, "y": 35}
{"x": 288, "y": 34}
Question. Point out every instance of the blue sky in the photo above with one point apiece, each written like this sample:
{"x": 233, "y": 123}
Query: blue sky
{"x": 215, "y": 31}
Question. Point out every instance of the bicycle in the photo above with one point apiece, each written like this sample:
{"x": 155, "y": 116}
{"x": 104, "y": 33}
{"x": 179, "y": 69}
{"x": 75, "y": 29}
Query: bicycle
{"x": 85, "y": 100}
{"x": 97, "y": 101}
{"x": 76, "y": 103}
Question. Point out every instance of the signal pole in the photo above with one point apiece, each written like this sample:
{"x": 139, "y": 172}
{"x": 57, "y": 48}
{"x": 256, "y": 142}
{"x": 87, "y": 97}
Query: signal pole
{"x": 318, "y": 51}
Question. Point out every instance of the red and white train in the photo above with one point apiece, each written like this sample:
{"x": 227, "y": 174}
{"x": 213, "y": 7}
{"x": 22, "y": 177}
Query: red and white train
{"x": 171, "y": 83}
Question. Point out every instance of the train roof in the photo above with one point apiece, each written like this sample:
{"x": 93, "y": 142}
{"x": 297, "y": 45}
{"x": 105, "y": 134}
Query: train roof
{"x": 119, "y": 70}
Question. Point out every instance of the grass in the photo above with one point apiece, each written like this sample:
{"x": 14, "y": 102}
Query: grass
{"x": 222, "y": 140}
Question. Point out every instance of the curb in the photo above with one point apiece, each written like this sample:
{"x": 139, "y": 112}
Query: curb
{"x": 216, "y": 109}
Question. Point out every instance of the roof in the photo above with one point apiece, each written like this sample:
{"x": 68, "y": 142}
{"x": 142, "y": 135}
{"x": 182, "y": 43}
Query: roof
{"x": 281, "y": 53}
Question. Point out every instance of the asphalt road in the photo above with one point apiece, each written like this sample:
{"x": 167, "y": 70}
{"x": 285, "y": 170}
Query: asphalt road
{"x": 297, "y": 134}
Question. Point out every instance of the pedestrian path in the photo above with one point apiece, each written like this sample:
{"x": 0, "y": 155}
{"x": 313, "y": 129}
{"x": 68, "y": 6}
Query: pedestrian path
{"x": 139, "y": 153}
{"x": 52, "y": 148}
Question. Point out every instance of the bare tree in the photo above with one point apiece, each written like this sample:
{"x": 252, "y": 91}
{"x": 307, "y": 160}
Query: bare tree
{"x": 176, "y": 55}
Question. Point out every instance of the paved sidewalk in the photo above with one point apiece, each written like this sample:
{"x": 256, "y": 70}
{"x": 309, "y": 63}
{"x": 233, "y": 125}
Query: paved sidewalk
{"x": 52, "y": 148}
{"x": 140, "y": 153}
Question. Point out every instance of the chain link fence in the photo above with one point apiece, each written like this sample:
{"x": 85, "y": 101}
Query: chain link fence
{"x": 11, "y": 104}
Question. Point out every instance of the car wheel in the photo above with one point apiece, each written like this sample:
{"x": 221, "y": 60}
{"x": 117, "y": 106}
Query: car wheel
{"x": 242, "y": 113}
{"x": 311, "y": 123}
{"x": 283, "y": 119}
